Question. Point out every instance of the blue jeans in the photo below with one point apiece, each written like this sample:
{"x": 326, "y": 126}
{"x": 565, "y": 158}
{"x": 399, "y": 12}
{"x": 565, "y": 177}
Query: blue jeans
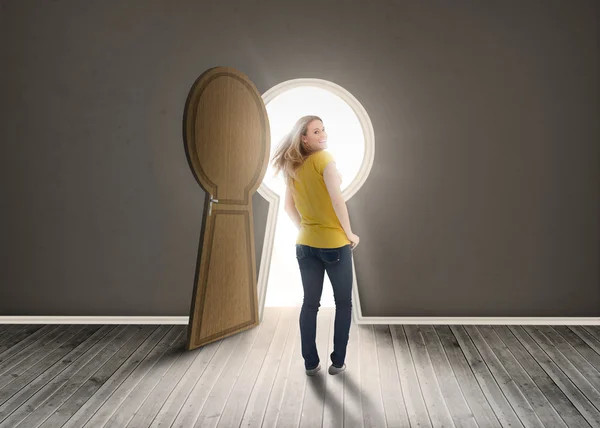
{"x": 313, "y": 263}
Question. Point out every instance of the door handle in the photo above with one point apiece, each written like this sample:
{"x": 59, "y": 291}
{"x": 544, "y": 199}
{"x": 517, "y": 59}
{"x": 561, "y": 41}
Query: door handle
{"x": 216, "y": 201}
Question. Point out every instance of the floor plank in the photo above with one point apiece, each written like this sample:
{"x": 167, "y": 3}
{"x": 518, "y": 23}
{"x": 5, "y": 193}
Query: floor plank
{"x": 494, "y": 395}
{"x": 98, "y": 380}
{"x": 479, "y": 405}
{"x": 537, "y": 400}
{"x": 187, "y": 393}
{"x": 353, "y": 409}
{"x": 195, "y": 401}
{"x": 333, "y": 407}
{"x": 542, "y": 379}
{"x": 314, "y": 393}
{"x": 434, "y": 399}
{"x": 212, "y": 410}
{"x": 572, "y": 356}
{"x": 566, "y": 384}
{"x": 515, "y": 396}
{"x": 447, "y": 381}
{"x": 233, "y": 412}
{"x": 416, "y": 408}
{"x": 293, "y": 394}
{"x": 274, "y": 363}
{"x": 22, "y": 356}
{"x": 30, "y": 391}
{"x": 290, "y": 353}
{"x": 397, "y": 376}
{"x": 100, "y": 407}
{"x": 15, "y": 333}
{"x": 372, "y": 401}
{"x": 139, "y": 384}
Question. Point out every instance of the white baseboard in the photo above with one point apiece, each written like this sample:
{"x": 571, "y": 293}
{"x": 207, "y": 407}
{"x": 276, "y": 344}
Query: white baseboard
{"x": 362, "y": 320}
{"x": 91, "y": 320}
{"x": 481, "y": 320}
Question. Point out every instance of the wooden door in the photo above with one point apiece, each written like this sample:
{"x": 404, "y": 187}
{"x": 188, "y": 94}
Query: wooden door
{"x": 227, "y": 141}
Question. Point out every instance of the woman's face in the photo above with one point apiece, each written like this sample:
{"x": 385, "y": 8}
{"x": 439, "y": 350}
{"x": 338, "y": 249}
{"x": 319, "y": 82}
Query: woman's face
{"x": 316, "y": 137}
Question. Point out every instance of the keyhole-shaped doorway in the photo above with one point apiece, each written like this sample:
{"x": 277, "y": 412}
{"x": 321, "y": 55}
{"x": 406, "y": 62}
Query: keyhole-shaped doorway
{"x": 350, "y": 140}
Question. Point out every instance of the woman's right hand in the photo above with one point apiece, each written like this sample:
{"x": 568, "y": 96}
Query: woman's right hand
{"x": 353, "y": 237}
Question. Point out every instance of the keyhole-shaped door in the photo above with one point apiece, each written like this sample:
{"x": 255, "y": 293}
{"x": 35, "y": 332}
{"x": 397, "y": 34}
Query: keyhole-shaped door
{"x": 227, "y": 142}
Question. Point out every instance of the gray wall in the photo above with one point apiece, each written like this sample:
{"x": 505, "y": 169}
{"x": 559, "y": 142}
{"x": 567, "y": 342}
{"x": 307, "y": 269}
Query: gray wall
{"x": 482, "y": 200}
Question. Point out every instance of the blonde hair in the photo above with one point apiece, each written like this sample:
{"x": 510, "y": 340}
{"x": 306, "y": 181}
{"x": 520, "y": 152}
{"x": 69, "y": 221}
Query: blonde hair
{"x": 291, "y": 153}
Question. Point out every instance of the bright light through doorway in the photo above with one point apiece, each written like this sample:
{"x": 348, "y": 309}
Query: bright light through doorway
{"x": 346, "y": 142}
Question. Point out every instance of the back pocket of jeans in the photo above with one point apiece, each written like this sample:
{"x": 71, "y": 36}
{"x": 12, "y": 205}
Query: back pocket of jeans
{"x": 299, "y": 252}
{"x": 330, "y": 256}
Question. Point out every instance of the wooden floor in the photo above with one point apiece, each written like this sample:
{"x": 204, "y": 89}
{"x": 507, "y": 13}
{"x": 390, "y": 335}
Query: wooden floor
{"x": 397, "y": 376}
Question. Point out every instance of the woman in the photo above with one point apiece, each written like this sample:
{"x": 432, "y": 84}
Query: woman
{"x": 325, "y": 240}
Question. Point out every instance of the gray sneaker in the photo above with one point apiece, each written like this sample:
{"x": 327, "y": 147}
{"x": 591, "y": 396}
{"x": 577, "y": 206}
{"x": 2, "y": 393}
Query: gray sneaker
{"x": 333, "y": 370}
{"x": 314, "y": 371}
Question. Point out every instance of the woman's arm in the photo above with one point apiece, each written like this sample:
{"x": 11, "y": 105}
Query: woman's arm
{"x": 333, "y": 182}
{"x": 290, "y": 208}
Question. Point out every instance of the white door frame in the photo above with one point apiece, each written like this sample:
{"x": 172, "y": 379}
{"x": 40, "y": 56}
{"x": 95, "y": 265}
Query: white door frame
{"x": 347, "y": 193}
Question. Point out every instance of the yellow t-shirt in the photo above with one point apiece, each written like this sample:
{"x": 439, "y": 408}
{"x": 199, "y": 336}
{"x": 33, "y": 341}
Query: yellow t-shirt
{"x": 319, "y": 225}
